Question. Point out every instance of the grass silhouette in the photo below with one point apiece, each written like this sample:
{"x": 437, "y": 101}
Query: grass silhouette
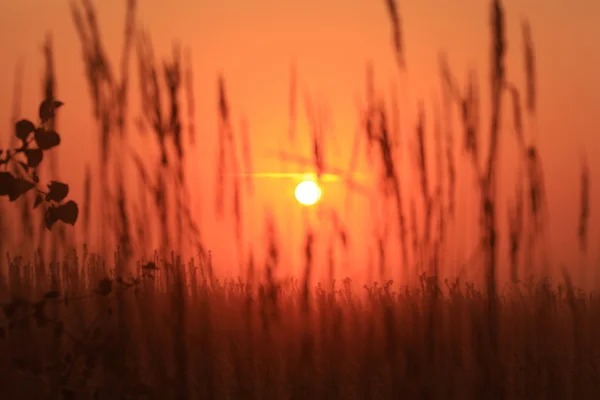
{"x": 151, "y": 325}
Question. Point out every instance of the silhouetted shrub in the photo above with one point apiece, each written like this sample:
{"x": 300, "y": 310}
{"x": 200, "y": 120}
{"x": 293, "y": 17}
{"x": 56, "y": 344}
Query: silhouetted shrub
{"x": 34, "y": 141}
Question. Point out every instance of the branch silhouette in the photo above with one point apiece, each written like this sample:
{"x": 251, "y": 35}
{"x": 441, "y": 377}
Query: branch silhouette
{"x": 34, "y": 141}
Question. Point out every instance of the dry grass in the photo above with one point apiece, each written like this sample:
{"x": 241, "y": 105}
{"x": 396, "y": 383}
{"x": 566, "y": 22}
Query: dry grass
{"x": 79, "y": 325}
{"x": 170, "y": 333}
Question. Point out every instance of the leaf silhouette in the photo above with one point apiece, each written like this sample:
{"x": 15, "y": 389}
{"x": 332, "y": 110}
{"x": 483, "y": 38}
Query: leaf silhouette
{"x": 46, "y": 139}
{"x": 34, "y": 157}
{"x": 58, "y": 191}
{"x": 48, "y": 108}
{"x": 38, "y": 200}
{"x": 68, "y": 212}
{"x": 51, "y": 217}
{"x": 104, "y": 287}
{"x": 23, "y": 128}
{"x": 7, "y": 182}
{"x": 20, "y": 187}
{"x": 150, "y": 266}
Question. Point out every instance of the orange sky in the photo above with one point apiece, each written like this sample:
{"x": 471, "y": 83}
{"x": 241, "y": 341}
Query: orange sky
{"x": 253, "y": 43}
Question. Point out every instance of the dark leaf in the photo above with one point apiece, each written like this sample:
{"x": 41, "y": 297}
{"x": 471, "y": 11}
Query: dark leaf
{"x": 50, "y": 217}
{"x": 48, "y": 108}
{"x": 150, "y": 266}
{"x": 20, "y": 187}
{"x": 38, "y": 200}
{"x": 53, "y": 294}
{"x": 23, "y": 128}
{"x": 68, "y": 212}
{"x": 34, "y": 157}
{"x": 46, "y": 139}
{"x": 7, "y": 182}
{"x": 104, "y": 287}
{"x": 58, "y": 191}
{"x": 13, "y": 195}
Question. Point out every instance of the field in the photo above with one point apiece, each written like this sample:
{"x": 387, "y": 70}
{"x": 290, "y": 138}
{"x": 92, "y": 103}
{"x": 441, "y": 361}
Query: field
{"x": 131, "y": 322}
{"x": 178, "y": 335}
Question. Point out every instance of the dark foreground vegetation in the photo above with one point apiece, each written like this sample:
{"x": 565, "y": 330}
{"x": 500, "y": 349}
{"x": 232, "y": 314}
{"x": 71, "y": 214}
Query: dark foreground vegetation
{"x": 77, "y": 325}
{"x": 173, "y": 332}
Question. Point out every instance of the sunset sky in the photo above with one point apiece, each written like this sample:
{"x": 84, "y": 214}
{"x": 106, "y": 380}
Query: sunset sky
{"x": 254, "y": 43}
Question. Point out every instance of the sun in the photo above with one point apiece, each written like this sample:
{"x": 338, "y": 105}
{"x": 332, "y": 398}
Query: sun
{"x": 308, "y": 192}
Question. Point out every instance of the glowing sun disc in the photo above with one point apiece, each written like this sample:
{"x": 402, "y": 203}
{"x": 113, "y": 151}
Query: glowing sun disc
{"x": 308, "y": 193}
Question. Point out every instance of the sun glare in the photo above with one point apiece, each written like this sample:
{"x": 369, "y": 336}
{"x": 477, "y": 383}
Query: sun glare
{"x": 308, "y": 193}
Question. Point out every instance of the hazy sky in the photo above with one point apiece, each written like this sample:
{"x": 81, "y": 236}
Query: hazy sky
{"x": 254, "y": 42}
